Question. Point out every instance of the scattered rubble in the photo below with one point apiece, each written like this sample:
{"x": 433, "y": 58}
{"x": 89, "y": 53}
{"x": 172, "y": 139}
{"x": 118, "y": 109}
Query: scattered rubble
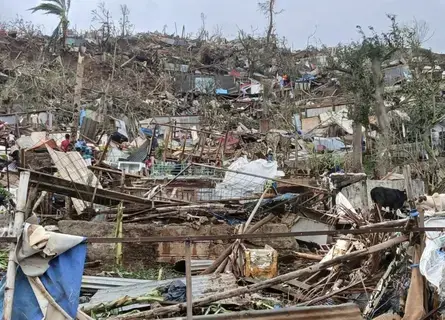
{"x": 178, "y": 159}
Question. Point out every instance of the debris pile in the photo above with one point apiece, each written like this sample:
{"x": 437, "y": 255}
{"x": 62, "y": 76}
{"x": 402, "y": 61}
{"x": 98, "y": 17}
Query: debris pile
{"x": 168, "y": 190}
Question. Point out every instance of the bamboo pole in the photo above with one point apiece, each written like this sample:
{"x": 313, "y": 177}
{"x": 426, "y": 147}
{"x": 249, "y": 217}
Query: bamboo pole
{"x": 104, "y": 152}
{"x": 257, "y": 206}
{"x": 12, "y": 267}
{"x": 308, "y": 256}
{"x": 119, "y": 223}
{"x": 38, "y": 283}
{"x": 151, "y": 314}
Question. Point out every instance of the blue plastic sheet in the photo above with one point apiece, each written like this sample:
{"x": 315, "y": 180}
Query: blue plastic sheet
{"x": 83, "y": 114}
{"x": 62, "y": 280}
{"x": 279, "y": 198}
{"x": 146, "y": 131}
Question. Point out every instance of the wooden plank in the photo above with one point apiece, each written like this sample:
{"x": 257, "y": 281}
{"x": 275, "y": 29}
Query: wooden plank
{"x": 54, "y": 184}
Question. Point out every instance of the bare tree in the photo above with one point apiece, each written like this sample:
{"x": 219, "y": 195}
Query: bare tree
{"x": 350, "y": 62}
{"x": 203, "y": 34}
{"x": 24, "y": 29}
{"x": 107, "y": 28}
{"x": 125, "y": 25}
{"x": 268, "y": 9}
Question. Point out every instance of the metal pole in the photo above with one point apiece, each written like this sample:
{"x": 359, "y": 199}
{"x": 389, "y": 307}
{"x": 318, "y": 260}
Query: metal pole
{"x": 188, "y": 279}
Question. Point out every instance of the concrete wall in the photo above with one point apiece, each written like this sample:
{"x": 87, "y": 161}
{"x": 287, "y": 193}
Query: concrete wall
{"x": 304, "y": 224}
{"x": 418, "y": 187}
{"x": 145, "y": 254}
{"x": 359, "y": 194}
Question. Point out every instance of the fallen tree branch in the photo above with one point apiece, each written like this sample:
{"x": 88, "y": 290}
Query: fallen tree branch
{"x": 229, "y": 249}
{"x": 267, "y": 283}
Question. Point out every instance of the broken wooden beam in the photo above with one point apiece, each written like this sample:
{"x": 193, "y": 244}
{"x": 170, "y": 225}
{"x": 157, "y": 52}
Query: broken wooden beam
{"x": 114, "y": 171}
{"x": 46, "y": 182}
{"x": 308, "y": 256}
{"x": 152, "y": 314}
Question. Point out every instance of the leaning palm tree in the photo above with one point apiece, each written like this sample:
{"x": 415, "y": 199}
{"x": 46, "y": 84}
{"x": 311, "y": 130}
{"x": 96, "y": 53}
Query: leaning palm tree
{"x": 58, "y": 8}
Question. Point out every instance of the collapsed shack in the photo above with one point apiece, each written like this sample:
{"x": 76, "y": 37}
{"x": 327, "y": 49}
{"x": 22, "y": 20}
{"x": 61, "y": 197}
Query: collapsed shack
{"x": 260, "y": 247}
{"x": 252, "y": 241}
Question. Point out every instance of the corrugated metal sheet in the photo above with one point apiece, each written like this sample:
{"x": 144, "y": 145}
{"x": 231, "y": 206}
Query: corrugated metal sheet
{"x": 72, "y": 167}
{"x": 191, "y": 122}
{"x": 9, "y": 119}
{"x": 316, "y": 111}
{"x": 204, "y": 83}
{"x": 201, "y": 286}
{"x": 93, "y": 284}
{"x": 340, "y": 312}
{"x": 141, "y": 153}
{"x": 89, "y": 128}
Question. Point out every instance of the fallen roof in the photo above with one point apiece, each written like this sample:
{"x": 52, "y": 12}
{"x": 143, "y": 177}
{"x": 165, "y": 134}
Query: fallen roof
{"x": 203, "y": 285}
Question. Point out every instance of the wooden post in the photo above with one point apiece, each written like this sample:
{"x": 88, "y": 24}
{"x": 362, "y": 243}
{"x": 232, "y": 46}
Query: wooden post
{"x": 188, "y": 279}
{"x": 12, "y": 266}
{"x": 181, "y": 158}
{"x": 166, "y": 143}
{"x": 408, "y": 185}
{"x": 224, "y": 146}
{"x": 203, "y": 145}
{"x": 77, "y": 96}
{"x": 7, "y": 164}
{"x": 119, "y": 234}
{"x": 104, "y": 153}
{"x": 297, "y": 136}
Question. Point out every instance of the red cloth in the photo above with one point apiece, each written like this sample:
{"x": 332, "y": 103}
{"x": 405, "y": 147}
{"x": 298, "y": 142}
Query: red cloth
{"x": 64, "y": 145}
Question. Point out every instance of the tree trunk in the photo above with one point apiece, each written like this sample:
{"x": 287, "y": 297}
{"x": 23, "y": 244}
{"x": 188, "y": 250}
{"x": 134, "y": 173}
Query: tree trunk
{"x": 384, "y": 143}
{"x": 64, "y": 32}
{"x": 426, "y": 137}
{"x": 357, "y": 147}
{"x": 379, "y": 108}
{"x": 270, "y": 29}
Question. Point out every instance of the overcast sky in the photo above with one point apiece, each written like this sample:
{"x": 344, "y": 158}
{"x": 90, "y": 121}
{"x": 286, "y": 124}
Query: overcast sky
{"x": 331, "y": 21}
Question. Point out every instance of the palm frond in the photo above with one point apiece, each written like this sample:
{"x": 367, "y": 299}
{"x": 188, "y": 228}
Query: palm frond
{"x": 49, "y": 8}
{"x": 68, "y": 6}
{"x": 60, "y": 3}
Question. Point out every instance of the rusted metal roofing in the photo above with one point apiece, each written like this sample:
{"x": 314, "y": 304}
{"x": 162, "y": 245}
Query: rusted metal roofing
{"x": 340, "y": 312}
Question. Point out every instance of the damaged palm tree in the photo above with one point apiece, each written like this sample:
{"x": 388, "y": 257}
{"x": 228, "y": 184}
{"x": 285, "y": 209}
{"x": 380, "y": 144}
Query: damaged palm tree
{"x": 59, "y": 8}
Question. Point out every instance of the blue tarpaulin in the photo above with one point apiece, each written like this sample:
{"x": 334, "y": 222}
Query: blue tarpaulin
{"x": 83, "y": 114}
{"x": 62, "y": 280}
{"x": 306, "y": 78}
{"x": 280, "y": 198}
{"x": 146, "y": 131}
{"x": 329, "y": 144}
